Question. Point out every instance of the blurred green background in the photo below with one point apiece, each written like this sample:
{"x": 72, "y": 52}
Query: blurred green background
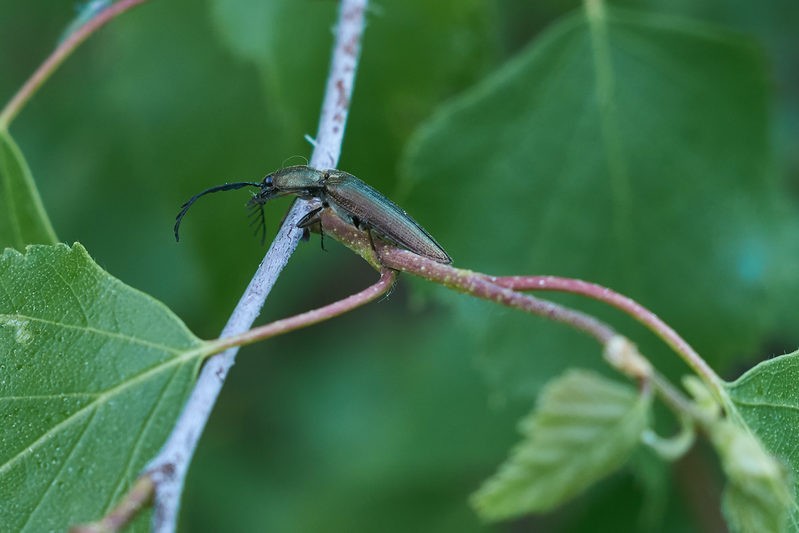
{"x": 388, "y": 418}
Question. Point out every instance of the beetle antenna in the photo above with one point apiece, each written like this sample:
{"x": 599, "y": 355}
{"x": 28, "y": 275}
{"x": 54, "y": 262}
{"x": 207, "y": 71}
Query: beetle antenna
{"x": 226, "y": 187}
{"x": 300, "y": 157}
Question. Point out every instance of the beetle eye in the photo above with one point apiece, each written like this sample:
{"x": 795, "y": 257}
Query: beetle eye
{"x": 268, "y": 181}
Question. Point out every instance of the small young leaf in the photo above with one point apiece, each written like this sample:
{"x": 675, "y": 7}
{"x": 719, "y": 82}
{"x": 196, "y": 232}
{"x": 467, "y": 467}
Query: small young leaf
{"x": 766, "y": 398}
{"x": 703, "y": 398}
{"x": 583, "y": 428}
{"x": 757, "y": 497}
{"x": 92, "y": 376}
{"x": 23, "y": 220}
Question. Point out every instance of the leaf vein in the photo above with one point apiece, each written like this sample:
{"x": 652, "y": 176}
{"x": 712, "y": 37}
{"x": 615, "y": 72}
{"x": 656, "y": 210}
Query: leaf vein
{"x": 60, "y": 470}
{"x": 59, "y": 396}
{"x": 764, "y": 404}
{"x": 148, "y": 420}
{"x": 93, "y": 330}
{"x": 69, "y": 286}
{"x": 99, "y": 400}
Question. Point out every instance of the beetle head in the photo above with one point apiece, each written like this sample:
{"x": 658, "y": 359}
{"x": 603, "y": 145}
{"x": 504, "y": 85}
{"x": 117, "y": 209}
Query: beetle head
{"x": 300, "y": 181}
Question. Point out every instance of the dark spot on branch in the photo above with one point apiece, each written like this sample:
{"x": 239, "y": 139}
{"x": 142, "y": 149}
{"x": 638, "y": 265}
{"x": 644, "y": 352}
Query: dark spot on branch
{"x": 351, "y": 47}
{"x": 353, "y": 14}
{"x": 167, "y": 470}
{"x": 343, "y": 102}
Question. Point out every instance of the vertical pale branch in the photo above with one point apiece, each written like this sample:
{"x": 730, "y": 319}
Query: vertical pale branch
{"x": 168, "y": 469}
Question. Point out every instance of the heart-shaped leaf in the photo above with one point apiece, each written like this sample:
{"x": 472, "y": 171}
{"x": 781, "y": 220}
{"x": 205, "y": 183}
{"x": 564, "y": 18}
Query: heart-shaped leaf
{"x": 93, "y": 375}
{"x": 623, "y": 147}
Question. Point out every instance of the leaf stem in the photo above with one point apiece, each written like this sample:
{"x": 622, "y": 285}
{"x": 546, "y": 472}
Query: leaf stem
{"x": 382, "y": 286}
{"x": 62, "y": 51}
{"x": 140, "y": 495}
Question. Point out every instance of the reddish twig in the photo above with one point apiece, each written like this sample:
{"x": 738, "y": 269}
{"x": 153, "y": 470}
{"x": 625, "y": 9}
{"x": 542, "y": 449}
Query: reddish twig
{"x": 480, "y": 286}
{"x": 628, "y": 306}
{"x": 62, "y": 51}
{"x": 279, "y": 327}
{"x": 466, "y": 281}
{"x": 502, "y": 290}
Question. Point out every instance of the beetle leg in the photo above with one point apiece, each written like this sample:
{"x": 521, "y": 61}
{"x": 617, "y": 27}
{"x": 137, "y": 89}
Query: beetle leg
{"x": 309, "y": 220}
{"x": 359, "y": 224}
{"x": 371, "y": 239}
{"x": 372, "y": 244}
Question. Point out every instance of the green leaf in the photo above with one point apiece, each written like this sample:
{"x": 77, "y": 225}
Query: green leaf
{"x": 584, "y": 427}
{"x": 622, "y": 147}
{"x": 766, "y": 398}
{"x": 757, "y": 497}
{"x": 23, "y": 220}
{"x": 92, "y": 377}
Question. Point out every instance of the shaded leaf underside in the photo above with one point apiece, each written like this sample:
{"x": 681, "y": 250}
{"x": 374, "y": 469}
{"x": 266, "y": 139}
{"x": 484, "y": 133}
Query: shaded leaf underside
{"x": 623, "y": 147}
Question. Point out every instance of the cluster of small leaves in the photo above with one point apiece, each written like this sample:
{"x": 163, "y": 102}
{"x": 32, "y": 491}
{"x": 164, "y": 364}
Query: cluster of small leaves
{"x": 585, "y": 427}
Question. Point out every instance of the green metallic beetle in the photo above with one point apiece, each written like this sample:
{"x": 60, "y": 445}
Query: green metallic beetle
{"x": 352, "y": 200}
